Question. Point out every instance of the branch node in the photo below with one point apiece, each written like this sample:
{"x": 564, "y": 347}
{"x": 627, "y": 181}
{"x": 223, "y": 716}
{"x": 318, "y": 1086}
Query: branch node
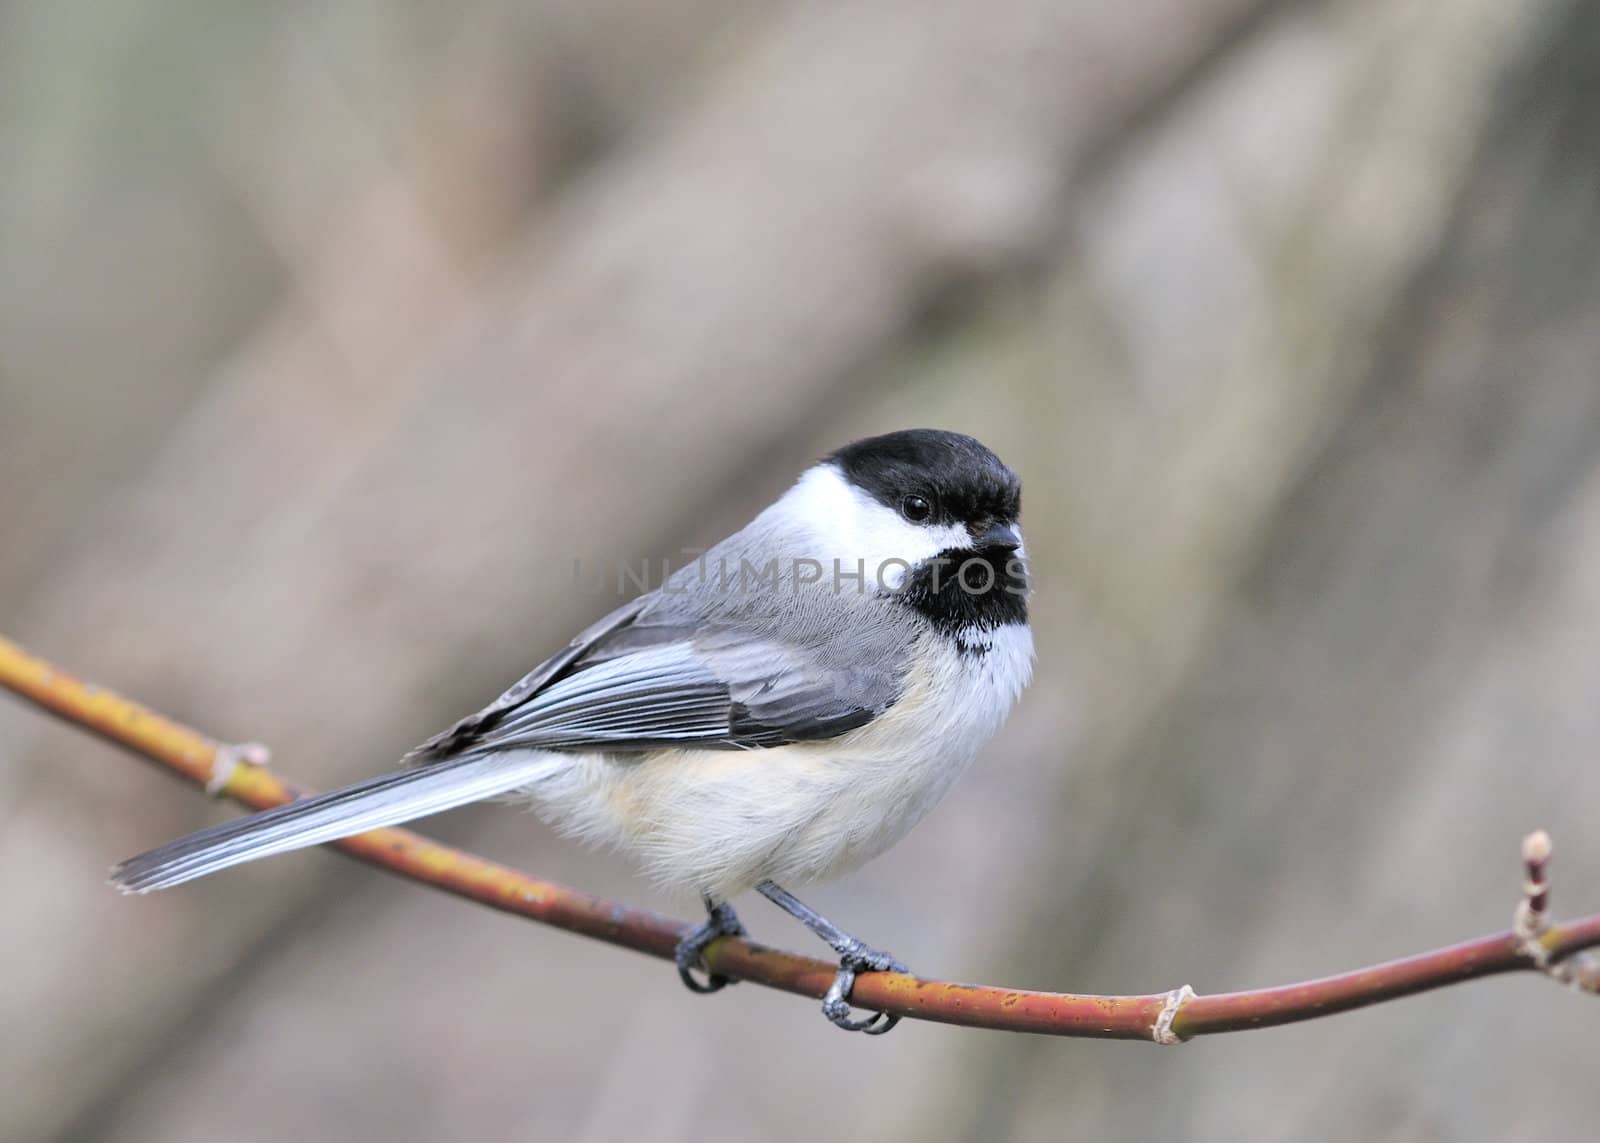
{"x": 1162, "y": 1033}
{"x": 228, "y": 759}
{"x": 1580, "y": 971}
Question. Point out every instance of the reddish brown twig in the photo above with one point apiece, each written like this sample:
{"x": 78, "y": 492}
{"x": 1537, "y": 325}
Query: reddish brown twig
{"x": 1169, "y": 1017}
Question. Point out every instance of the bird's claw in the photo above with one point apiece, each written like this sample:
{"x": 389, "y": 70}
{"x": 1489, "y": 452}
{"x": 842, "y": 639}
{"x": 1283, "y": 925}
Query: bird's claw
{"x": 856, "y": 958}
{"x": 721, "y": 921}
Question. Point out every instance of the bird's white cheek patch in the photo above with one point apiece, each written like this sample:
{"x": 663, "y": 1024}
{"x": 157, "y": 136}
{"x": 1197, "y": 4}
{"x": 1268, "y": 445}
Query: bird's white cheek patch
{"x": 861, "y": 534}
{"x": 883, "y": 535}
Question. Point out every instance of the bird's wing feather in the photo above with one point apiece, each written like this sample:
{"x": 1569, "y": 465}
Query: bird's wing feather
{"x": 452, "y": 741}
{"x": 643, "y": 680}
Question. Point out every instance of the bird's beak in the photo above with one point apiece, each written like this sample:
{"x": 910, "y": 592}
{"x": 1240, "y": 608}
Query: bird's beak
{"x": 998, "y": 536}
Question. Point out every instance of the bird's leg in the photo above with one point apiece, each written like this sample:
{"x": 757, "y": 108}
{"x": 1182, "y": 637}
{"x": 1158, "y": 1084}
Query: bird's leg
{"x": 721, "y": 921}
{"x": 854, "y": 957}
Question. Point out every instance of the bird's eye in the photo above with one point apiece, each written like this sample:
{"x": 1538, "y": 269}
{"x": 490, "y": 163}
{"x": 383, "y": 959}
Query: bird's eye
{"x": 916, "y": 508}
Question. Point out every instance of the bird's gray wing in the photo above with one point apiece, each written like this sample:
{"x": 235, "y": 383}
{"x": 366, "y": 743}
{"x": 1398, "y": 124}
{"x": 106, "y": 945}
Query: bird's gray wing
{"x": 645, "y": 678}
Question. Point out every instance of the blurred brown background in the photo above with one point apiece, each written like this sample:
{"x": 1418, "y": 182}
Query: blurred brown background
{"x": 328, "y": 334}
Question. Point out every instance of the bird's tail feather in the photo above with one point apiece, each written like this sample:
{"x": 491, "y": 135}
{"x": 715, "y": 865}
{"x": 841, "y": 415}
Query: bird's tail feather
{"x": 386, "y": 800}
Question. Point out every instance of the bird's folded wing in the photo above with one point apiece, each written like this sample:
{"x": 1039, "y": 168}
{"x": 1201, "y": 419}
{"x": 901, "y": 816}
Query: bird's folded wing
{"x": 630, "y": 686}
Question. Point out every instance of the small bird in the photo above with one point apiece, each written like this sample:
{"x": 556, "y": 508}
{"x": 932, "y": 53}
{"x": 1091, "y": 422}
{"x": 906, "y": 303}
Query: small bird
{"x": 778, "y": 712}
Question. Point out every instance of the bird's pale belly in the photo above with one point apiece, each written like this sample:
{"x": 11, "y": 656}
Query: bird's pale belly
{"x": 706, "y": 821}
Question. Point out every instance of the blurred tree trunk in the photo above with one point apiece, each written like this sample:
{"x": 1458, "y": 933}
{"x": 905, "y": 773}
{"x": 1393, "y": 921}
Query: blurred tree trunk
{"x": 1401, "y": 685}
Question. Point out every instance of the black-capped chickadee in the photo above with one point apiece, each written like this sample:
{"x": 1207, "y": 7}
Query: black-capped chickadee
{"x": 780, "y": 711}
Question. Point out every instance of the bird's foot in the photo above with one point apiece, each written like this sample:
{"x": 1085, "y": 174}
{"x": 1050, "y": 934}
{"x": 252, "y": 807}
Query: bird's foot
{"x": 854, "y": 959}
{"x": 721, "y": 921}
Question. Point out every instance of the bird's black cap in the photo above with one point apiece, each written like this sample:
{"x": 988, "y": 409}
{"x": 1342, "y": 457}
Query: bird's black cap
{"x": 959, "y": 476}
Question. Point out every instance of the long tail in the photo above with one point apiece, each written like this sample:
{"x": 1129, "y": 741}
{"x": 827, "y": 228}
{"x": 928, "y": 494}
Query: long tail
{"x": 386, "y": 800}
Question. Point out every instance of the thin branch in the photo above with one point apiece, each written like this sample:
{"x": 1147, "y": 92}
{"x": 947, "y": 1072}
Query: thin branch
{"x": 1167, "y": 1017}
